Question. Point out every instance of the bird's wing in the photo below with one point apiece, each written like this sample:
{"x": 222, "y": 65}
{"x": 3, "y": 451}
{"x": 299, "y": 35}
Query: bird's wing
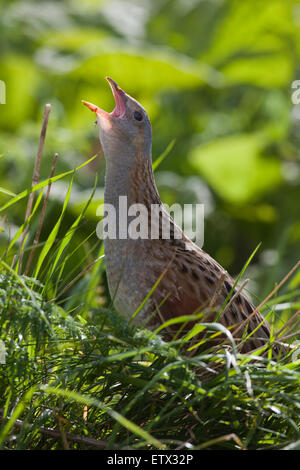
{"x": 193, "y": 281}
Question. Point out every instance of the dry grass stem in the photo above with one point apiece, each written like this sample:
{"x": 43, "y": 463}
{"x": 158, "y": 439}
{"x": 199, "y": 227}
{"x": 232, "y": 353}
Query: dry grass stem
{"x": 35, "y": 177}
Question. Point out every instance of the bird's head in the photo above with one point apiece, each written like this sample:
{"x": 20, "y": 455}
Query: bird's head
{"x": 126, "y": 131}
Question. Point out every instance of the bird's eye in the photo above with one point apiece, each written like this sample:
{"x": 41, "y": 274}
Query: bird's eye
{"x": 138, "y": 116}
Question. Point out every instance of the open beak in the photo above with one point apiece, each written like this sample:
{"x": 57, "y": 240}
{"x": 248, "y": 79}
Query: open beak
{"x": 120, "y": 99}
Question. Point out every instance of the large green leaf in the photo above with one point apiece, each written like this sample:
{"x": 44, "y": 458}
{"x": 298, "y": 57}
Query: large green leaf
{"x": 259, "y": 70}
{"x": 235, "y": 167}
{"x": 147, "y": 70}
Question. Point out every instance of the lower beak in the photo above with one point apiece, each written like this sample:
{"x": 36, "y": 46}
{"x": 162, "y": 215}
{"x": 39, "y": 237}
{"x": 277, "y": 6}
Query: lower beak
{"x": 92, "y": 107}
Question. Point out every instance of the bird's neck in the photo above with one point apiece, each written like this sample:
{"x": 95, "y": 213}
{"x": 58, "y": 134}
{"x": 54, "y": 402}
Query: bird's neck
{"x": 135, "y": 181}
{"x": 126, "y": 185}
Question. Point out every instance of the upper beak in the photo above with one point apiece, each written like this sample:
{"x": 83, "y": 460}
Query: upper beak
{"x": 120, "y": 99}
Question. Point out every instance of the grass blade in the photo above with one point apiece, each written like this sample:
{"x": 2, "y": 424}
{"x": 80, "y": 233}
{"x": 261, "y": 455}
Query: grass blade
{"x": 42, "y": 184}
{"x": 52, "y": 237}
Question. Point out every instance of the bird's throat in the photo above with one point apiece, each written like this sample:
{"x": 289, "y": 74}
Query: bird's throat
{"x": 126, "y": 186}
{"x": 135, "y": 182}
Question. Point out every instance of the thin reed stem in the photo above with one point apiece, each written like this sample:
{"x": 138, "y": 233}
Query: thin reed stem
{"x": 35, "y": 178}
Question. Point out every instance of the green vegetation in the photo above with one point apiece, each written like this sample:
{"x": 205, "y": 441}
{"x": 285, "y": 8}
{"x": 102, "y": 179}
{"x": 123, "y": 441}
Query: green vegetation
{"x": 216, "y": 77}
{"x": 91, "y": 380}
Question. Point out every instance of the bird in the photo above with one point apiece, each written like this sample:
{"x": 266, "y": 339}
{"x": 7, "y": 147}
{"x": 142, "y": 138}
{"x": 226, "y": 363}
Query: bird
{"x": 154, "y": 281}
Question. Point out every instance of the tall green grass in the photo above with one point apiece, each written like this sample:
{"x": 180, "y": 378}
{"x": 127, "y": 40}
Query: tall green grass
{"x": 94, "y": 381}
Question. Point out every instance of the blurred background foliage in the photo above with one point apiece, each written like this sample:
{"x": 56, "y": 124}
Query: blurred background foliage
{"x": 215, "y": 75}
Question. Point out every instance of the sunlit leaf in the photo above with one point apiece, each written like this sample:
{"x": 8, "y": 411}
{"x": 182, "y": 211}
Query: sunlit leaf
{"x": 147, "y": 70}
{"x": 235, "y": 167}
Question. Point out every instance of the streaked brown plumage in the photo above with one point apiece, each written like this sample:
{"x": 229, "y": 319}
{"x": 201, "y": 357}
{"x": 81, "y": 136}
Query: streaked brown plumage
{"x": 190, "y": 280}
